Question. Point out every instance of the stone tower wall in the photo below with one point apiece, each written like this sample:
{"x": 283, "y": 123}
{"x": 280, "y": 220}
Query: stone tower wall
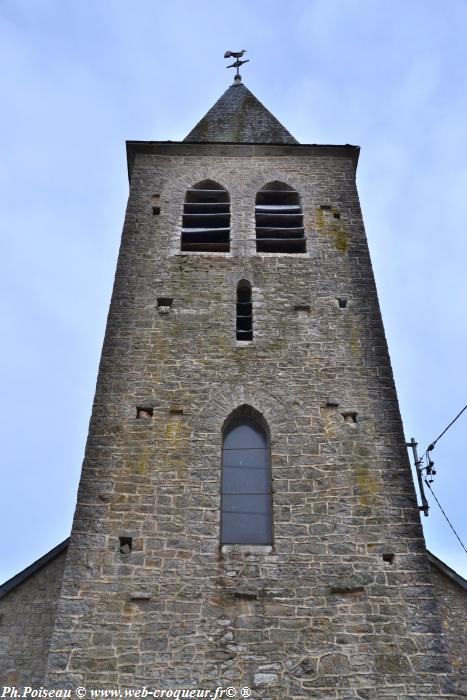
{"x": 341, "y": 606}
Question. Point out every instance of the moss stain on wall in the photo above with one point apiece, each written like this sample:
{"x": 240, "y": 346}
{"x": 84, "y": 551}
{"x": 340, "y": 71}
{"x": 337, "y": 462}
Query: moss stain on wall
{"x": 333, "y": 230}
{"x": 367, "y": 484}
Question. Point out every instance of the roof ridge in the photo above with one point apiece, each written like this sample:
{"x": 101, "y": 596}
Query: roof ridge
{"x": 447, "y": 570}
{"x": 16, "y": 580}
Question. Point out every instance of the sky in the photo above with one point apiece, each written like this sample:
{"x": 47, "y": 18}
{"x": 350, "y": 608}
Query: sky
{"x": 79, "y": 78}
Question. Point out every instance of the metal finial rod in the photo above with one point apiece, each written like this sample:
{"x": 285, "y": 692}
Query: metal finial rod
{"x": 237, "y": 55}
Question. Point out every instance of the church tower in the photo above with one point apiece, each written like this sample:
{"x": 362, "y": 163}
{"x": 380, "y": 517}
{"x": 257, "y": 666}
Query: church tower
{"x": 246, "y": 515}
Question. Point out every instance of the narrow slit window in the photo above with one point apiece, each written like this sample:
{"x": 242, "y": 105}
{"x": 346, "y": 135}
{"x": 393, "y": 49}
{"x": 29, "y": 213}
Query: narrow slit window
{"x": 246, "y": 484}
{"x": 279, "y": 220}
{"x": 206, "y": 219}
{"x": 244, "y": 311}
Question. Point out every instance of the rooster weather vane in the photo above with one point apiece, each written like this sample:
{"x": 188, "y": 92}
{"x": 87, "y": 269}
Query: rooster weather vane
{"x": 237, "y": 55}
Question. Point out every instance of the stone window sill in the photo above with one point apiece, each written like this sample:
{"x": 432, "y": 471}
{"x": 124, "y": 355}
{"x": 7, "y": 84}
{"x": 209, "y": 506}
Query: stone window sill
{"x": 246, "y": 549}
{"x": 203, "y": 254}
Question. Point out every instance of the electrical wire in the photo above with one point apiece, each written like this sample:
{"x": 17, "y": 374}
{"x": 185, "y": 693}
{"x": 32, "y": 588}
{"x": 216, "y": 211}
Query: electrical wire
{"x": 432, "y": 445}
{"x": 449, "y": 522}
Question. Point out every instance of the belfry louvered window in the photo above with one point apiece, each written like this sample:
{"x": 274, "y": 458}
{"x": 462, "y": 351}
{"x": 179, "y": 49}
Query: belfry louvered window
{"x": 244, "y": 311}
{"x": 206, "y": 218}
{"x": 279, "y": 220}
{"x": 246, "y": 484}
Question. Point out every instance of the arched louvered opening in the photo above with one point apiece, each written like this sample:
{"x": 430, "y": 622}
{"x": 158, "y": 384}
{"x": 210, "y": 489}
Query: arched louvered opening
{"x": 279, "y": 220}
{"x": 206, "y": 218}
{"x": 244, "y": 311}
{"x": 246, "y": 508}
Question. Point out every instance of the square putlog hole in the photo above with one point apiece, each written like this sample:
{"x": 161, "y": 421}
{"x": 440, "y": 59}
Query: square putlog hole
{"x": 164, "y": 304}
{"x": 144, "y": 412}
{"x": 176, "y": 411}
{"x": 165, "y": 301}
{"x": 126, "y": 545}
{"x": 350, "y": 416}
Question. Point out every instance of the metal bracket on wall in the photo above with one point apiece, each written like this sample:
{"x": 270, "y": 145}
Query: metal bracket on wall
{"x": 418, "y": 462}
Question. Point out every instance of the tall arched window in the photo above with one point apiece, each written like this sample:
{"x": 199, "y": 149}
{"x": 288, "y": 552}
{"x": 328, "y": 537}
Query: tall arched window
{"x": 246, "y": 512}
{"x": 279, "y": 220}
{"x": 206, "y": 218}
{"x": 244, "y": 311}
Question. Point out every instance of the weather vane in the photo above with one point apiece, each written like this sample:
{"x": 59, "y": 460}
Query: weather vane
{"x": 237, "y": 55}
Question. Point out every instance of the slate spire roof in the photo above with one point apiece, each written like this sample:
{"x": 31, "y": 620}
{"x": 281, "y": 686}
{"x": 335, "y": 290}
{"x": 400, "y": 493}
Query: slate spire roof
{"x": 239, "y": 117}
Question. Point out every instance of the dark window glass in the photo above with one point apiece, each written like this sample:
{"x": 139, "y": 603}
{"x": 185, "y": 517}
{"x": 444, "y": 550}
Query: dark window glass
{"x": 246, "y": 485}
{"x": 244, "y": 312}
{"x": 279, "y": 220}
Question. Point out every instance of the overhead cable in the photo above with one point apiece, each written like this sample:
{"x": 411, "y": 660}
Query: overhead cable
{"x": 432, "y": 445}
{"x": 449, "y": 522}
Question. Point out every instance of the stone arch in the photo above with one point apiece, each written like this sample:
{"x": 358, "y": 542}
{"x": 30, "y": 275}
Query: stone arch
{"x": 277, "y": 185}
{"x": 207, "y": 183}
{"x": 225, "y": 399}
{"x": 260, "y": 180}
{"x": 246, "y": 411}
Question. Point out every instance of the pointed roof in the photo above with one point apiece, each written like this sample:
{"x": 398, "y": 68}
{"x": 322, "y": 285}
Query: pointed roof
{"x": 239, "y": 117}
